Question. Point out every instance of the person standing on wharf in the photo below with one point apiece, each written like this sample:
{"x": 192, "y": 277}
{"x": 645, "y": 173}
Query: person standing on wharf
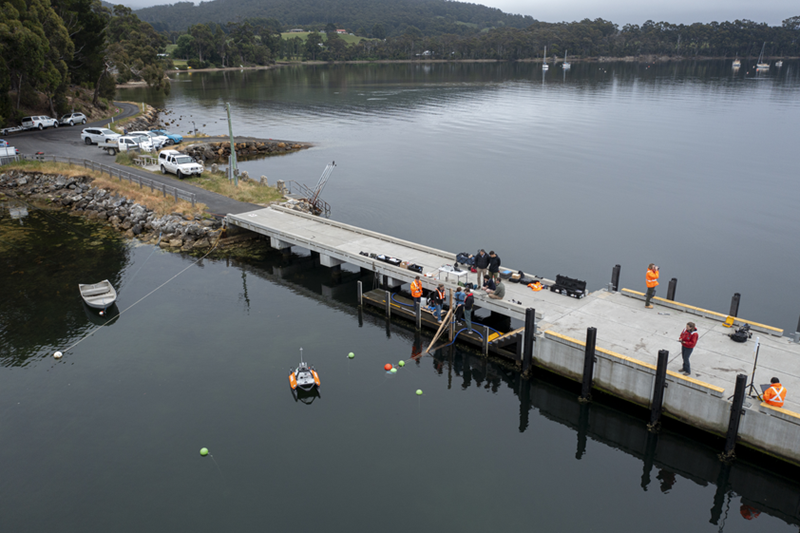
{"x": 651, "y": 278}
{"x": 688, "y": 340}
{"x": 416, "y": 292}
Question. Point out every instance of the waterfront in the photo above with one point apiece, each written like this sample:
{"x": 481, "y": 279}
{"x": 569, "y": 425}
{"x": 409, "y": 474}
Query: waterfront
{"x": 108, "y": 437}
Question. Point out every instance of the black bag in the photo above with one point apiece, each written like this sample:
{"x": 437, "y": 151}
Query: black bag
{"x": 741, "y": 334}
{"x": 415, "y": 268}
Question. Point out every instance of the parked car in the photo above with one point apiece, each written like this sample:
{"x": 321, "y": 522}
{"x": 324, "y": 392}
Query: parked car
{"x": 73, "y": 118}
{"x": 158, "y": 140}
{"x": 40, "y": 122}
{"x": 174, "y": 138}
{"x": 179, "y": 164}
{"x": 127, "y": 143}
{"x": 98, "y": 135}
{"x": 4, "y": 144}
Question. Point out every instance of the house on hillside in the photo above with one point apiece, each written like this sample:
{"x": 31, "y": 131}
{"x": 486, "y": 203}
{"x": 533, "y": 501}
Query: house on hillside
{"x": 341, "y": 32}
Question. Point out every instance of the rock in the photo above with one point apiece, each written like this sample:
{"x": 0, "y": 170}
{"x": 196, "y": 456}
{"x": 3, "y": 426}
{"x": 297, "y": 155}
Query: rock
{"x": 264, "y": 181}
{"x": 176, "y": 243}
{"x": 201, "y": 244}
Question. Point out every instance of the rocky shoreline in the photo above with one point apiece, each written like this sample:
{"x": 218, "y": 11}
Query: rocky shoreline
{"x": 186, "y": 233}
{"x": 218, "y": 150}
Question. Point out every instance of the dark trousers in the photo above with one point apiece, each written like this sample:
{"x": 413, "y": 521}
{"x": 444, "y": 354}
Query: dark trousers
{"x": 686, "y": 352}
{"x": 651, "y": 291}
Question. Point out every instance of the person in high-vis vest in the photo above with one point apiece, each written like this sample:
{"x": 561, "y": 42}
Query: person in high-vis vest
{"x": 416, "y": 292}
{"x": 776, "y": 394}
{"x": 651, "y": 278}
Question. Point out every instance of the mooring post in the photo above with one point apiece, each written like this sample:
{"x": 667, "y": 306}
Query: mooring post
{"x": 588, "y": 364}
{"x": 418, "y": 317}
{"x": 485, "y": 341}
{"x": 615, "y": 277}
{"x": 530, "y": 333}
{"x": 671, "y": 289}
{"x": 736, "y": 414}
{"x": 359, "y": 293}
{"x": 452, "y": 325}
{"x": 735, "y": 304}
{"x": 797, "y": 332}
{"x": 388, "y": 304}
{"x": 658, "y": 391}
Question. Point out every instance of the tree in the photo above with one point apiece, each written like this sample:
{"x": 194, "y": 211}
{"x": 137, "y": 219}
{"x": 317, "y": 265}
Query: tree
{"x": 313, "y": 46}
{"x": 378, "y": 31}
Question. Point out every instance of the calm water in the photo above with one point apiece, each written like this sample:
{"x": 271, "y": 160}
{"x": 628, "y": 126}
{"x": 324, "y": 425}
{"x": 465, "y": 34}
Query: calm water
{"x": 687, "y": 165}
{"x": 107, "y": 438}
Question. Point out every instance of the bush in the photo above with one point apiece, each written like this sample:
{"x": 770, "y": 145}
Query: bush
{"x": 196, "y": 63}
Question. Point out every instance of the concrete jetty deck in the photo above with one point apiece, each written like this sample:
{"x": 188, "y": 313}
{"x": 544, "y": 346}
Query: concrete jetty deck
{"x": 629, "y": 336}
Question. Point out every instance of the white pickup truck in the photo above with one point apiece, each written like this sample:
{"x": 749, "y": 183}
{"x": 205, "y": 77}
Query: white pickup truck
{"x": 127, "y": 143}
{"x": 179, "y": 164}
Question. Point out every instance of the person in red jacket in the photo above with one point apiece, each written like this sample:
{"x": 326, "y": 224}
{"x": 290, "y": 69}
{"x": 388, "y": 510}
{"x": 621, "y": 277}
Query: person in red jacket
{"x": 688, "y": 340}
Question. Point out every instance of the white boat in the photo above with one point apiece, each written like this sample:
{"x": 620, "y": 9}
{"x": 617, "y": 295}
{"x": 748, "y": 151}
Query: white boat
{"x": 566, "y": 65}
{"x": 545, "y": 66}
{"x": 779, "y": 63}
{"x": 760, "y": 65}
{"x": 98, "y": 295}
{"x": 737, "y": 63}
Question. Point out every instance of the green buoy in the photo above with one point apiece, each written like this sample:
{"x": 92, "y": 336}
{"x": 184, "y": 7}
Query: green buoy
{"x": 419, "y": 392}
{"x": 401, "y": 363}
{"x": 351, "y": 355}
{"x": 203, "y": 451}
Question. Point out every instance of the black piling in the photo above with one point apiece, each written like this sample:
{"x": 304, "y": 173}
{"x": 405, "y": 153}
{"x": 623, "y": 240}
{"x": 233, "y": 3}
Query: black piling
{"x": 797, "y": 332}
{"x": 736, "y": 414}
{"x": 588, "y": 364}
{"x": 583, "y": 430}
{"x": 388, "y": 304}
{"x": 530, "y": 332}
{"x": 658, "y": 391}
{"x": 485, "y": 341}
{"x": 671, "y": 289}
{"x": 735, "y": 304}
{"x": 418, "y": 311}
{"x": 615, "y": 277}
{"x": 360, "y": 293}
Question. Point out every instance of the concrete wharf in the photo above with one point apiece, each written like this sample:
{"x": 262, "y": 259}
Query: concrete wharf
{"x": 628, "y": 336}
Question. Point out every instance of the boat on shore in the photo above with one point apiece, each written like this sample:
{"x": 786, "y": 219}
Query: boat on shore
{"x": 98, "y": 295}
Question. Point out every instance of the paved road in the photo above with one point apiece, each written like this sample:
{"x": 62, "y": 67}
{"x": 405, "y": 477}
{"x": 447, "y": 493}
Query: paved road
{"x": 65, "y": 141}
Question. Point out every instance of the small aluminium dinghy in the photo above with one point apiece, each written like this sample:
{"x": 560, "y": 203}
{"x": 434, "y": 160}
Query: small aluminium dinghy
{"x": 98, "y": 295}
{"x": 303, "y": 377}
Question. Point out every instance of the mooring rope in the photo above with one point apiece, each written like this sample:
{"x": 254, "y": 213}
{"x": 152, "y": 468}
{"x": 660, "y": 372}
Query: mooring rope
{"x": 92, "y": 332}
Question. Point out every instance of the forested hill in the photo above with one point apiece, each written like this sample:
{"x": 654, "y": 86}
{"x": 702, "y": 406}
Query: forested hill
{"x": 431, "y": 17}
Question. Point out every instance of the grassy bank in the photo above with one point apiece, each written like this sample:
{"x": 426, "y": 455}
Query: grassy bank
{"x": 152, "y": 200}
{"x": 247, "y": 191}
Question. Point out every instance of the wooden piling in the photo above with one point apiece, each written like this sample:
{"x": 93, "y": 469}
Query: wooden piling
{"x": 388, "y": 304}
{"x": 588, "y": 365}
{"x": 656, "y": 405}
{"x": 360, "y": 293}
{"x": 485, "y": 341}
{"x": 452, "y": 321}
{"x": 736, "y": 415}
{"x": 530, "y": 332}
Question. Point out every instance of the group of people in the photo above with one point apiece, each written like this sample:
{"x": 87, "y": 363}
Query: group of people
{"x": 774, "y": 395}
{"x": 463, "y": 300}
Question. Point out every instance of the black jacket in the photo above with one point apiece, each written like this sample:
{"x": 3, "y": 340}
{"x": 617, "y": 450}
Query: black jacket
{"x": 469, "y": 302}
{"x": 481, "y": 261}
{"x": 494, "y": 263}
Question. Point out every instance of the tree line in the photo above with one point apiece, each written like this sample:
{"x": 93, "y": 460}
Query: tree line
{"x": 48, "y": 45}
{"x": 258, "y": 42}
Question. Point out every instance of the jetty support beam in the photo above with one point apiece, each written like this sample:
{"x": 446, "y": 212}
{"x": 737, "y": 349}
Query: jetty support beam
{"x": 328, "y": 261}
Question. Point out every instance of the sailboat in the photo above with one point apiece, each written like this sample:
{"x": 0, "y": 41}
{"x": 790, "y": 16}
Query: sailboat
{"x": 736, "y": 63}
{"x": 566, "y": 66}
{"x": 545, "y": 66}
{"x": 760, "y": 65}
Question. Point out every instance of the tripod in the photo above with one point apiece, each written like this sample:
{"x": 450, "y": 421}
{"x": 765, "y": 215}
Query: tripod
{"x": 751, "y": 390}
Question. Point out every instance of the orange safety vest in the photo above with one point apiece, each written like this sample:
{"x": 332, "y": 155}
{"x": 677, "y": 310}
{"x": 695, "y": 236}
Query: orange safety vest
{"x": 651, "y": 278}
{"x": 442, "y": 295}
{"x": 536, "y": 286}
{"x": 416, "y": 289}
{"x": 775, "y": 396}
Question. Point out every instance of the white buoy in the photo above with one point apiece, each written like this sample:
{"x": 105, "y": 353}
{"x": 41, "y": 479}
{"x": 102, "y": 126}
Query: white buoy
{"x": 58, "y": 355}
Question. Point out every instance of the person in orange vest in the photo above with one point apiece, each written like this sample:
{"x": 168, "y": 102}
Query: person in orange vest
{"x": 437, "y": 297}
{"x": 651, "y": 278}
{"x": 416, "y": 292}
{"x": 776, "y": 394}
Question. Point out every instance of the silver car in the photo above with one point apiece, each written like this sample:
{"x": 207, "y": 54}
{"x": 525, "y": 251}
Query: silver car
{"x": 98, "y": 135}
{"x": 73, "y": 118}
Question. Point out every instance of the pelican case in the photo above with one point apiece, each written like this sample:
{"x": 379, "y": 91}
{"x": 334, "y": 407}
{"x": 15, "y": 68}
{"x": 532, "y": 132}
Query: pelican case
{"x": 569, "y": 286}
{"x": 415, "y": 268}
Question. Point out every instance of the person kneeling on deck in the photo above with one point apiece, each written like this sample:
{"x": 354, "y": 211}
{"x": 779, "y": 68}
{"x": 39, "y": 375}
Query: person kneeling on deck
{"x": 416, "y": 292}
{"x": 499, "y": 292}
{"x": 776, "y": 394}
{"x": 437, "y": 298}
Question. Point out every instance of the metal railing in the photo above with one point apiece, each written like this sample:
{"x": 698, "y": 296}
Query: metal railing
{"x": 297, "y": 188}
{"x": 121, "y": 175}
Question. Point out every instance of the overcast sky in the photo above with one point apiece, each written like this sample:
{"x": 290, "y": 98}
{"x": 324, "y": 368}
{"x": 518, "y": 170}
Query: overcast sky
{"x": 622, "y": 12}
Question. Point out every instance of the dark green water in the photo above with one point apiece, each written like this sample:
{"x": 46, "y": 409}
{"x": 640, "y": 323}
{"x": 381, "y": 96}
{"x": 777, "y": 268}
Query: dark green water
{"x": 108, "y": 438}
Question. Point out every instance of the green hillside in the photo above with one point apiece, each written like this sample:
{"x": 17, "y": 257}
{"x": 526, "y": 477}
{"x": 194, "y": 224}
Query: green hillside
{"x": 374, "y": 18}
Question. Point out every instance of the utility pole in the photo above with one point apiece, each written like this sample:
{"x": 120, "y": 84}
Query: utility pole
{"x": 234, "y": 169}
